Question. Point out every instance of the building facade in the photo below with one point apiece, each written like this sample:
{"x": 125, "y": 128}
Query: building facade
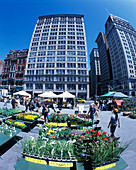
{"x": 57, "y": 59}
{"x": 105, "y": 63}
{"x": 95, "y": 73}
{"x": 1, "y": 68}
{"x": 12, "y": 77}
{"x": 121, "y": 38}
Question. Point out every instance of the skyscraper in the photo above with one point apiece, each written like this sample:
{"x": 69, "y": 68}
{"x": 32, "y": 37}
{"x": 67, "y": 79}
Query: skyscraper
{"x": 121, "y": 38}
{"x": 105, "y": 63}
{"x": 57, "y": 59}
{"x": 95, "y": 73}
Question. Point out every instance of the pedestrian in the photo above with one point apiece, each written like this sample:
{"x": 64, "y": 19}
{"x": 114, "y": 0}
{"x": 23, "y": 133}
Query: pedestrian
{"x": 5, "y": 101}
{"x": 97, "y": 110}
{"x": 113, "y": 122}
{"x": 37, "y": 105}
{"x": 31, "y": 105}
{"x": 45, "y": 112}
{"x": 13, "y": 102}
{"x": 101, "y": 104}
{"x": 92, "y": 112}
{"x": 26, "y": 105}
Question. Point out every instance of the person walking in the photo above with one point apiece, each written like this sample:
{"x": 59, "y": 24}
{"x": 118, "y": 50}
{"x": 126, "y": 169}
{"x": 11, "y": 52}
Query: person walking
{"x": 45, "y": 113}
{"x": 26, "y": 105}
{"x": 31, "y": 107}
{"x": 92, "y": 112}
{"x": 13, "y": 102}
{"x": 113, "y": 122}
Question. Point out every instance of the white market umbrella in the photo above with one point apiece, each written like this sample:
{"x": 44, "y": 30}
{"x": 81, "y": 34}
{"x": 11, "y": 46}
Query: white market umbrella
{"x": 48, "y": 94}
{"x": 66, "y": 94}
{"x": 22, "y": 93}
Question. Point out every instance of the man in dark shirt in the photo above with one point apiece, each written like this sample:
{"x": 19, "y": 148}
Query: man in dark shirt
{"x": 92, "y": 112}
{"x": 13, "y": 102}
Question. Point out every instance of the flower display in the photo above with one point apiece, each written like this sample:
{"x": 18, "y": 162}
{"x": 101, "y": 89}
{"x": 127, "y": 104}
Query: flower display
{"x": 27, "y": 116}
{"x": 9, "y": 112}
{"x": 15, "y": 123}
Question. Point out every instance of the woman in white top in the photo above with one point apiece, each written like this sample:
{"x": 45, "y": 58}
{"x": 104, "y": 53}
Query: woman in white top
{"x": 113, "y": 122}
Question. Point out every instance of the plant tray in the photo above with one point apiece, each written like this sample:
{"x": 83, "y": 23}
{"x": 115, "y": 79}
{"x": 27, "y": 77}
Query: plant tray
{"x": 61, "y": 163}
{"x": 56, "y": 124}
{"x": 110, "y": 165}
{"x": 35, "y": 160}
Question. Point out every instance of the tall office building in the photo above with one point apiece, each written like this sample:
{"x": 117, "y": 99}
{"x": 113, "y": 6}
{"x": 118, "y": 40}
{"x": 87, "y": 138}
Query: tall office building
{"x": 105, "y": 63}
{"x": 13, "y": 72}
{"x": 95, "y": 73}
{"x": 121, "y": 38}
{"x": 57, "y": 59}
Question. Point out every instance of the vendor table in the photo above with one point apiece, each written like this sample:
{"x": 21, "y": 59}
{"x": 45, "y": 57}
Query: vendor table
{"x": 23, "y": 164}
{"x": 6, "y": 141}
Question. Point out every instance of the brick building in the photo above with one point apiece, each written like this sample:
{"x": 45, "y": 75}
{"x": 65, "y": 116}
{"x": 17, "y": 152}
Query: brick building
{"x": 14, "y": 69}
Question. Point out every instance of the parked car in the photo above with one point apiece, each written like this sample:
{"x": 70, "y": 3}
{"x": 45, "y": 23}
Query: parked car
{"x": 79, "y": 100}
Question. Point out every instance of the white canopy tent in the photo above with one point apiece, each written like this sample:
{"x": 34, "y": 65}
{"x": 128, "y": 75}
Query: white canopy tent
{"x": 48, "y": 94}
{"x": 66, "y": 94}
{"x": 22, "y": 93}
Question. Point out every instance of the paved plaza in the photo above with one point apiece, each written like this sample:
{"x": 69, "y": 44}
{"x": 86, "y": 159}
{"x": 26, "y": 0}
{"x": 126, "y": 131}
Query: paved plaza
{"x": 126, "y": 133}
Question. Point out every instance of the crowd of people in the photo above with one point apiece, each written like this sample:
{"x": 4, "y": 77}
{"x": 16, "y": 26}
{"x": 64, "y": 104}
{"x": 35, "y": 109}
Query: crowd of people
{"x": 98, "y": 105}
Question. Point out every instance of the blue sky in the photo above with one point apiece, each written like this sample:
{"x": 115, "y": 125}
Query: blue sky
{"x": 18, "y": 18}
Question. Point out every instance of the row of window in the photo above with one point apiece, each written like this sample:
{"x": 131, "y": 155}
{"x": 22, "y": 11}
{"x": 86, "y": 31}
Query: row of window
{"x": 58, "y": 65}
{"x": 71, "y": 47}
{"x": 58, "y": 71}
{"x": 44, "y": 53}
{"x": 58, "y": 86}
{"x": 59, "y": 37}
{"x": 52, "y": 78}
{"x": 42, "y": 59}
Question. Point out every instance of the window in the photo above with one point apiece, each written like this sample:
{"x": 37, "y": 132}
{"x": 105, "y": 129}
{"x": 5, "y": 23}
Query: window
{"x": 40, "y": 65}
{"x": 50, "y": 65}
{"x": 32, "y": 54}
{"x": 60, "y": 65}
{"x": 60, "y": 71}
{"x": 82, "y": 87}
{"x": 40, "y": 59}
{"x": 60, "y": 58}
{"x": 60, "y": 86}
{"x": 71, "y": 53}
{"x": 71, "y": 87}
{"x": 38, "y": 86}
{"x": 52, "y": 42}
{"x": 60, "y": 52}
{"x": 42, "y": 48}
{"x": 51, "y": 47}
{"x": 61, "y": 42}
{"x": 39, "y": 72}
{"x": 29, "y": 86}
{"x": 43, "y": 53}
{"x": 71, "y": 65}
{"x": 49, "y": 71}
{"x": 43, "y": 43}
{"x": 71, "y": 47}
{"x": 48, "y": 86}
{"x": 61, "y": 47}
{"x": 50, "y": 58}
{"x": 62, "y": 37}
{"x": 51, "y": 53}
